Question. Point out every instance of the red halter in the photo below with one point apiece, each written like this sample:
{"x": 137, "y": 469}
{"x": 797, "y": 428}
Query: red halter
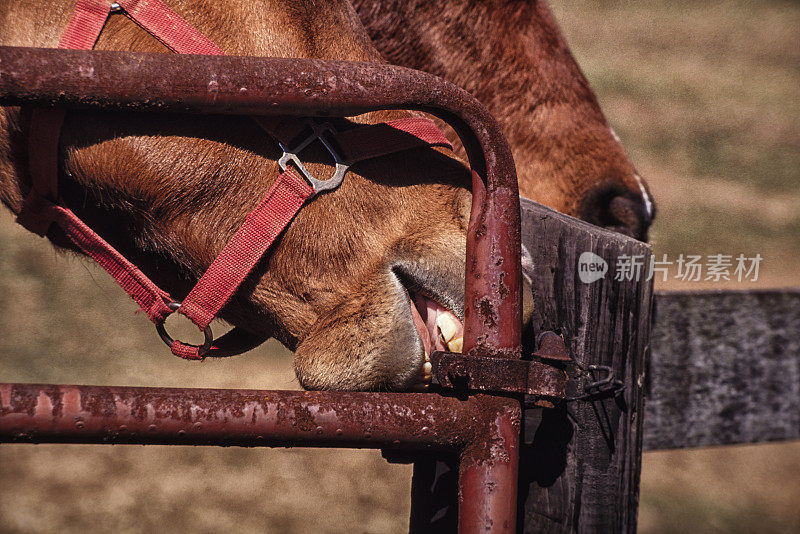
{"x": 43, "y": 206}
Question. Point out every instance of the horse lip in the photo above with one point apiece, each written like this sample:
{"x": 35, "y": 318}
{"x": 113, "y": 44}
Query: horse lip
{"x": 413, "y": 283}
{"x": 429, "y": 335}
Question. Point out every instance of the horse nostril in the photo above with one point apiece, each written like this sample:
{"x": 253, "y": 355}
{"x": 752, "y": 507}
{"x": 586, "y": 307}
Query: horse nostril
{"x": 618, "y": 212}
{"x": 627, "y": 216}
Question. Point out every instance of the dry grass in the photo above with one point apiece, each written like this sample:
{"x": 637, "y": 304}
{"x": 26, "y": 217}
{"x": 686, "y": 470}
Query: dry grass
{"x": 706, "y": 97}
{"x": 64, "y": 321}
{"x": 704, "y": 94}
{"x": 722, "y": 489}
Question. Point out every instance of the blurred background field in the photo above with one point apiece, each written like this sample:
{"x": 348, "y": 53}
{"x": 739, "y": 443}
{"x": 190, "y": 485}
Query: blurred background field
{"x": 705, "y": 96}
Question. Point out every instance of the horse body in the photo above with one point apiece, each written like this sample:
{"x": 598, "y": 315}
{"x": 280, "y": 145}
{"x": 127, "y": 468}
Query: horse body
{"x": 512, "y": 57}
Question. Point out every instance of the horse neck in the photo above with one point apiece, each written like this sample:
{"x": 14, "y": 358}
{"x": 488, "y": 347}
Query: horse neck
{"x": 510, "y": 55}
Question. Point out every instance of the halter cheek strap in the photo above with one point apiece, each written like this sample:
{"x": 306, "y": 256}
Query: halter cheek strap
{"x": 292, "y": 189}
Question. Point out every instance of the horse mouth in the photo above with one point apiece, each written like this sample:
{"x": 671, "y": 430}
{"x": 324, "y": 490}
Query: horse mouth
{"x": 438, "y": 328}
{"x": 435, "y": 302}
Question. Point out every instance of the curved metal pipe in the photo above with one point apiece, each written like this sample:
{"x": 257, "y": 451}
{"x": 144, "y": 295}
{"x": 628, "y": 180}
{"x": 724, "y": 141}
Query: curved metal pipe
{"x": 279, "y": 86}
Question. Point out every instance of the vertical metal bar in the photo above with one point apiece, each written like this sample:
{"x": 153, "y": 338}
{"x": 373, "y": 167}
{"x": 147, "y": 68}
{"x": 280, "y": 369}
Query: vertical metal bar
{"x": 488, "y": 472}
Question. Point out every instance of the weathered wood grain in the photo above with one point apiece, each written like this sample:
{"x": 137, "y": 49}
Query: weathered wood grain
{"x": 724, "y": 369}
{"x": 582, "y": 470}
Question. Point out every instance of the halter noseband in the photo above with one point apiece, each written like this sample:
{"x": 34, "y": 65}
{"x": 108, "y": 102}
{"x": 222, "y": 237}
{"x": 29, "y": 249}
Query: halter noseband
{"x": 292, "y": 189}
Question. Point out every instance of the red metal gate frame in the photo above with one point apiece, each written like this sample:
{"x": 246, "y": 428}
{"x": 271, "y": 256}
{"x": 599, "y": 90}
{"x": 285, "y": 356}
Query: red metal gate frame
{"x": 483, "y": 430}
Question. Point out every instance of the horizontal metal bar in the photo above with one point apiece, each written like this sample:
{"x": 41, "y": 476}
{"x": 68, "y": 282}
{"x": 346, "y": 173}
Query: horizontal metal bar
{"x": 483, "y": 431}
{"x": 36, "y": 413}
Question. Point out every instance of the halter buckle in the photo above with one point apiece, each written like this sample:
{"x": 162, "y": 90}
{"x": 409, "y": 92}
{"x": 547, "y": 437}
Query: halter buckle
{"x": 317, "y": 134}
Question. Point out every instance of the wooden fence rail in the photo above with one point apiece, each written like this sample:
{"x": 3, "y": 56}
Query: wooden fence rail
{"x": 724, "y": 368}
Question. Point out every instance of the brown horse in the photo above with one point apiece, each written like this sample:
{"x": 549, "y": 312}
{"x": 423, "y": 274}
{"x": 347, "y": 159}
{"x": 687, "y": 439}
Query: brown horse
{"x": 169, "y": 192}
{"x": 360, "y": 298}
{"x": 512, "y": 57}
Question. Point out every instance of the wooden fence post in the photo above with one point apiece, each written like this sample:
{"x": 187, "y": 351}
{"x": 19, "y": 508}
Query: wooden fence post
{"x": 580, "y": 470}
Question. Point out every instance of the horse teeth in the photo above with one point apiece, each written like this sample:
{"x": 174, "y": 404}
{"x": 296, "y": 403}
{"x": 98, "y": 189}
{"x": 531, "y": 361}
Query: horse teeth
{"x": 456, "y": 345}
{"x": 427, "y": 368}
{"x": 448, "y": 325}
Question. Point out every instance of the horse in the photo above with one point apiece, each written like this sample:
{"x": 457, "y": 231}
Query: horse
{"x": 340, "y": 285}
{"x": 514, "y": 59}
{"x": 361, "y": 300}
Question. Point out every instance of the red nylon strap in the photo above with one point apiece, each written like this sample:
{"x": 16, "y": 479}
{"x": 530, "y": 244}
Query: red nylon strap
{"x": 389, "y": 137}
{"x": 283, "y": 129}
{"x": 43, "y": 167}
{"x": 276, "y": 211}
{"x": 367, "y": 141}
{"x": 234, "y": 342}
{"x": 171, "y": 29}
{"x": 39, "y": 210}
{"x": 260, "y": 229}
{"x": 85, "y": 26}
{"x": 141, "y": 289}
{"x": 82, "y": 31}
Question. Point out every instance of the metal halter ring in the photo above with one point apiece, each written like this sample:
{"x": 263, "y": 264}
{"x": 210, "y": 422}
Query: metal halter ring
{"x": 317, "y": 134}
{"x": 166, "y": 338}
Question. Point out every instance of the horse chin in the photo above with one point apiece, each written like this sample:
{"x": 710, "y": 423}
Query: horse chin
{"x": 380, "y": 338}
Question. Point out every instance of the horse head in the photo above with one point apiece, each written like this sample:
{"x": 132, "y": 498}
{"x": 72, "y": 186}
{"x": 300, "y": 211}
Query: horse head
{"x": 358, "y": 283}
{"x": 365, "y": 281}
{"x": 513, "y": 58}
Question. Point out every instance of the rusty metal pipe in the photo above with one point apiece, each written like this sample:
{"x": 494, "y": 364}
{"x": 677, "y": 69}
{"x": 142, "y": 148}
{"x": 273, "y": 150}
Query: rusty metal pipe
{"x": 38, "y": 413}
{"x": 488, "y": 473}
{"x": 484, "y": 430}
{"x": 253, "y": 86}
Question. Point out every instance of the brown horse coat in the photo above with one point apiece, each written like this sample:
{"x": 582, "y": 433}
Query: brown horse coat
{"x": 512, "y": 57}
{"x": 169, "y": 191}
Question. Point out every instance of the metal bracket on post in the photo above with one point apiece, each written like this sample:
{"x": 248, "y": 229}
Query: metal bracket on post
{"x": 606, "y": 386}
{"x": 541, "y": 379}
{"x": 544, "y": 375}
